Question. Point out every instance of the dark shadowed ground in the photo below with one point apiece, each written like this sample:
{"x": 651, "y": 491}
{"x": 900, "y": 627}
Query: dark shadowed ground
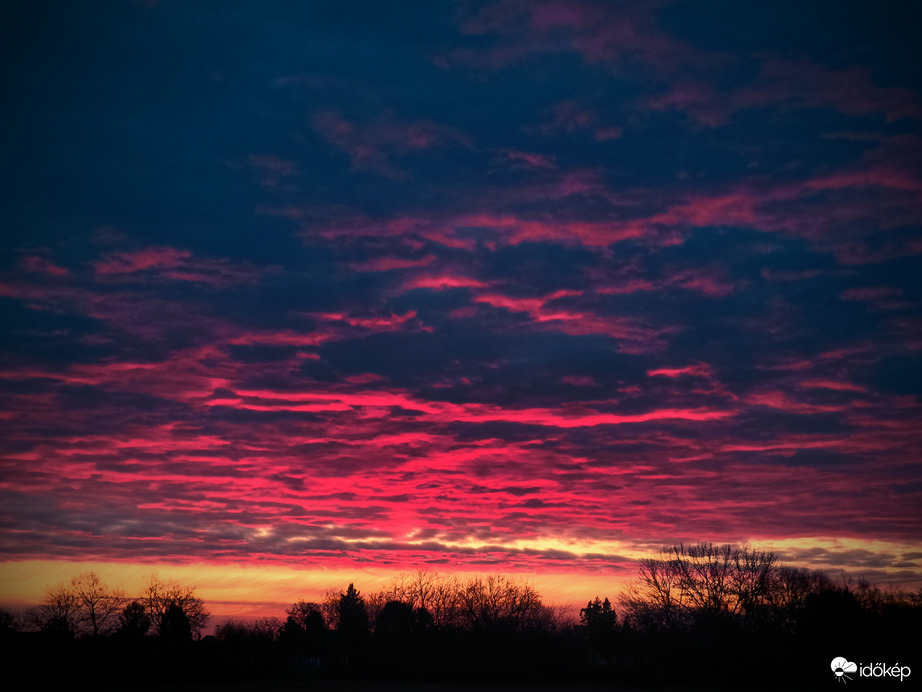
{"x": 392, "y": 686}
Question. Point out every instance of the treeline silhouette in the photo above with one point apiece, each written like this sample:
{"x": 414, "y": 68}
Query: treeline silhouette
{"x": 704, "y": 613}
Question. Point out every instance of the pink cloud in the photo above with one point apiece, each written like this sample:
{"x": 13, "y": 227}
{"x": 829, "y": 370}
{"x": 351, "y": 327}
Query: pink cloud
{"x": 363, "y": 151}
{"x": 40, "y": 265}
{"x": 285, "y": 337}
{"x": 850, "y": 90}
{"x": 140, "y": 260}
{"x": 570, "y": 116}
{"x": 823, "y": 210}
{"x": 331, "y": 327}
{"x": 375, "y": 323}
{"x": 175, "y": 265}
{"x": 574, "y": 182}
{"x": 384, "y": 264}
{"x": 599, "y": 32}
{"x": 273, "y": 164}
{"x": 705, "y": 281}
{"x": 271, "y": 171}
{"x": 514, "y": 230}
{"x": 187, "y": 375}
{"x": 549, "y": 15}
{"x": 871, "y": 293}
{"x": 738, "y": 207}
{"x": 633, "y": 336}
{"x": 877, "y": 176}
{"x": 606, "y": 134}
{"x": 782, "y": 401}
{"x": 786, "y": 84}
{"x": 371, "y": 146}
{"x": 412, "y": 231}
{"x": 443, "y": 281}
{"x": 530, "y": 305}
{"x": 694, "y": 280}
{"x": 443, "y": 412}
{"x": 697, "y": 370}
{"x": 579, "y": 380}
{"x": 781, "y": 275}
{"x": 626, "y": 287}
{"x": 732, "y": 208}
{"x": 697, "y": 100}
{"x": 530, "y": 160}
{"x": 836, "y": 385}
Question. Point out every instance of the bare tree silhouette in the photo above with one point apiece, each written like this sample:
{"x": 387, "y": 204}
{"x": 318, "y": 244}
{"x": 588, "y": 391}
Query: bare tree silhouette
{"x": 99, "y": 605}
{"x": 160, "y": 596}
{"x": 58, "y": 613}
{"x": 500, "y": 603}
{"x": 699, "y": 579}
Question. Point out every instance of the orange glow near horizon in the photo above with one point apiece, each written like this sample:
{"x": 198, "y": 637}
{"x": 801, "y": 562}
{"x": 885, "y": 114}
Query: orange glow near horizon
{"x": 250, "y": 591}
{"x": 266, "y": 589}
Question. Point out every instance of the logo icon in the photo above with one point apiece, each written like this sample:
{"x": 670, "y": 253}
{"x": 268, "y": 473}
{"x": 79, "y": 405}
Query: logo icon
{"x": 841, "y": 666}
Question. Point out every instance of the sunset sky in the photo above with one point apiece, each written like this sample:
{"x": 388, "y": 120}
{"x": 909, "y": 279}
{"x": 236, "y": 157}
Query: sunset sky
{"x": 301, "y": 293}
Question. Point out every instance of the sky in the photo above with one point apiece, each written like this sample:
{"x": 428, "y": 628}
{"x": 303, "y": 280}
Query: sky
{"x": 296, "y": 292}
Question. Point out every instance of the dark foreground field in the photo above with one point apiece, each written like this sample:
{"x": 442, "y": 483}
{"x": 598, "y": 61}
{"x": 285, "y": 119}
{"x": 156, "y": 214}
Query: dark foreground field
{"x": 392, "y": 686}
